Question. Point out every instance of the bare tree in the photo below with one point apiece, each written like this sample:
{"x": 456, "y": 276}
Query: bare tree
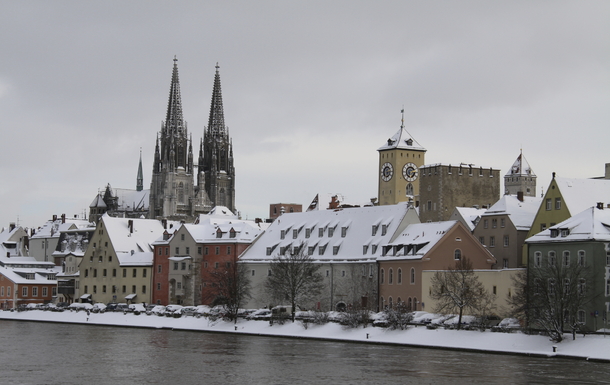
{"x": 294, "y": 277}
{"x": 398, "y": 316}
{"x": 556, "y": 292}
{"x": 229, "y": 286}
{"x": 458, "y": 290}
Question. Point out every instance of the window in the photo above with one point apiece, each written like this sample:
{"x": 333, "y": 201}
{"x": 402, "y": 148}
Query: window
{"x": 457, "y": 254}
{"x": 124, "y": 289}
{"x": 206, "y": 250}
{"x": 581, "y": 316}
{"x": 307, "y": 233}
{"x": 538, "y": 259}
{"x": 495, "y": 290}
{"x": 503, "y": 222}
{"x": 365, "y": 248}
{"x": 335, "y": 250}
{"x": 506, "y": 241}
{"x": 375, "y": 227}
{"x": 384, "y": 229}
{"x": 494, "y": 223}
{"x": 505, "y": 263}
{"x": 94, "y": 289}
{"x": 183, "y": 266}
{"x": 175, "y": 265}
{"x": 124, "y": 273}
{"x": 485, "y": 223}
{"x": 182, "y": 237}
{"x": 8, "y": 291}
{"x": 492, "y": 241}
{"x": 412, "y": 276}
{"x": 158, "y": 285}
{"x": 542, "y": 226}
{"x": 94, "y": 272}
{"x": 217, "y": 250}
{"x": 382, "y": 276}
{"x": 114, "y": 272}
{"x": 321, "y": 232}
{"x": 133, "y": 289}
{"x": 104, "y": 289}
{"x": 216, "y": 264}
{"x": 104, "y": 273}
{"x": 45, "y": 291}
{"x": 399, "y": 276}
{"x": 110, "y": 258}
{"x": 34, "y": 292}
{"x": 566, "y": 258}
{"x": 582, "y": 287}
{"x": 310, "y": 250}
{"x": 86, "y": 289}
{"x": 566, "y": 286}
{"x": 159, "y": 251}
{"x": 228, "y": 250}
{"x": 269, "y": 273}
{"x": 199, "y": 250}
{"x": 177, "y": 250}
{"x": 390, "y": 276}
{"x": 552, "y": 258}
{"x": 134, "y": 273}
{"x": 86, "y": 273}
{"x": 548, "y": 204}
{"x": 159, "y": 269}
{"x": 581, "y": 258}
{"x": 144, "y": 289}
{"x": 343, "y": 273}
{"x": 557, "y": 203}
{"x": 343, "y": 232}
{"x": 551, "y": 286}
{"x": 100, "y": 259}
{"x": 113, "y": 289}
{"x": 373, "y": 249}
{"x": 331, "y": 231}
{"x": 482, "y": 240}
{"x": 188, "y": 251}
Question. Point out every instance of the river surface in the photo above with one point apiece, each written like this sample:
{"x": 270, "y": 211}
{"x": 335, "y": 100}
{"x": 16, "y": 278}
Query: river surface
{"x": 48, "y": 353}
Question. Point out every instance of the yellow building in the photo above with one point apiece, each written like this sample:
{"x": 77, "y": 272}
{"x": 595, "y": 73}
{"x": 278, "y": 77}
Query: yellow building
{"x": 399, "y": 162}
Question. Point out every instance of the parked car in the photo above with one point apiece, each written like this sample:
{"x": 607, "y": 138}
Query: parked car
{"x": 80, "y": 306}
{"x": 188, "y": 311}
{"x": 507, "y": 325}
{"x": 157, "y": 310}
{"x": 137, "y": 308}
{"x": 202, "y": 310}
{"x": 260, "y": 315}
{"x": 111, "y": 306}
{"x": 173, "y": 311}
{"x": 98, "y": 308}
{"x": 122, "y": 307}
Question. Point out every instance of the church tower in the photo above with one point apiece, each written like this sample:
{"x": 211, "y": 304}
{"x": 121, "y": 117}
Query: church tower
{"x": 216, "y": 174}
{"x": 140, "y": 177}
{"x": 399, "y": 162}
{"x": 520, "y": 178}
{"x": 172, "y": 189}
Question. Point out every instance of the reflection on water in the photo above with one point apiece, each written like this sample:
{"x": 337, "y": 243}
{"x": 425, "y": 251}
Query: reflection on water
{"x": 44, "y": 353}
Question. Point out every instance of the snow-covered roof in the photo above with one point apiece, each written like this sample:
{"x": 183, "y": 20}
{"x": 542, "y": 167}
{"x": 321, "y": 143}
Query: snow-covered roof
{"x": 132, "y": 247}
{"x": 129, "y": 200}
{"x": 30, "y": 276}
{"x": 578, "y": 194}
{"x": 521, "y": 214}
{"x": 416, "y": 240}
{"x": 244, "y": 231}
{"x": 591, "y": 224}
{"x": 352, "y": 229}
{"x": 403, "y": 140}
{"x": 98, "y": 201}
{"x": 468, "y": 215}
{"x": 520, "y": 168}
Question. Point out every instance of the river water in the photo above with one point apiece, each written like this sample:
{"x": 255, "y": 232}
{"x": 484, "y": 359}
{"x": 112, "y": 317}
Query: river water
{"x": 46, "y": 353}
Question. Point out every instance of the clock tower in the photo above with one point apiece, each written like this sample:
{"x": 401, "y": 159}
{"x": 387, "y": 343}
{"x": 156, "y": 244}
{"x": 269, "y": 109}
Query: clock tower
{"x": 399, "y": 162}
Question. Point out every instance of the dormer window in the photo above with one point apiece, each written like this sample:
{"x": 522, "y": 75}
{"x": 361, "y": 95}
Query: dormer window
{"x": 343, "y": 232}
{"x": 384, "y": 229}
{"x": 218, "y": 233}
{"x": 232, "y": 233}
{"x": 409, "y": 142}
{"x": 565, "y": 232}
{"x": 554, "y": 233}
{"x": 375, "y": 228}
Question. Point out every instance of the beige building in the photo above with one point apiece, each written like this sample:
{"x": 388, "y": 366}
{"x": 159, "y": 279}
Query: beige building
{"x": 118, "y": 261}
{"x": 497, "y": 282}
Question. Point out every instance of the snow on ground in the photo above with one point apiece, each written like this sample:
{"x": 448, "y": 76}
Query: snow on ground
{"x": 590, "y": 347}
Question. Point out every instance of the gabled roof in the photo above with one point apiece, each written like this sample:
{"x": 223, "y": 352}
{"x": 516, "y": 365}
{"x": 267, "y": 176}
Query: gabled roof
{"x": 30, "y": 276}
{"x": 403, "y": 140}
{"x": 591, "y": 224}
{"x": 521, "y": 214}
{"x": 416, "y": 240}
{"x": 469, "y": 215}
{"x": 132, "y": 247}
{"x": 578, "y": 194}
{"x": 244, "y": 231}
{"x": 353, "y": 228}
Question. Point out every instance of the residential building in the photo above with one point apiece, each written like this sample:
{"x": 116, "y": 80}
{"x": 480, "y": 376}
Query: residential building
{"x": 186, "y": 260}
{"x": 400, "y": 160}
{"x": 43, "y": 241}
{"x": 503, "y": 228}
{"x": 117, "y": 266}
{"x": 345, "y": 243}
{"x": 424, "y": 246}
{"x": 469, "y": 216}
{"x": 23, "y": 286}
{"x": 443, "y": 187}
{"x": 579, "y": 243}
{"x": 277, "y": 209}
{"x": 68, "y": 254}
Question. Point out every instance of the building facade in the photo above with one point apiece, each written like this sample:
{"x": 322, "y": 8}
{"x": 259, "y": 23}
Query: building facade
{"x": 443, "y": 187}
{"x": 520, "y": 178}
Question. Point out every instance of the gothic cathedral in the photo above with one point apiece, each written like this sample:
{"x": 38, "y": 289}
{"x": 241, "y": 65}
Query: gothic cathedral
{"x": 173, "y": 193}
{"x": 399, "y": 162}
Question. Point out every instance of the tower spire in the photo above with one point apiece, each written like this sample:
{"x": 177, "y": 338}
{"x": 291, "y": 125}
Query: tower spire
{"x": 140, "y": 178}
{"x": 174, "y": 121}
{"x": 216, "y": 124}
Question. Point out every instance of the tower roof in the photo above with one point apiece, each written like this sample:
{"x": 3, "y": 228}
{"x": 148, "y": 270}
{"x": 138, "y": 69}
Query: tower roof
{"x": 174, "y": 120}
{"x": 140, "y": 177}
{"x": 520, "y": 168}
{"x": 403, "y": 140}
{"x": 216, "y": 124}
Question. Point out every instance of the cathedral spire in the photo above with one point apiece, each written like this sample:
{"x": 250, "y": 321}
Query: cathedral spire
{"x": 140, "y": 178}
{"x": 174, "y": 122}
{"x": 216, "y": 124}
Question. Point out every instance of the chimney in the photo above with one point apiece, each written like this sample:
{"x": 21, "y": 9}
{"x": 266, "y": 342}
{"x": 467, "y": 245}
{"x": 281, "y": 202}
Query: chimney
{"x": 257, "y": 220}
{"x": 8, "y": 254}
{"x": 520, "y": 196}
{"x": 164, "y": 223}
{"x": 130, "y": 225}
{"x": 600, "y": 205}
{"x": 11, "y": 226}
{"x": 63, "y": 218}
{"x": 54, "y": 217}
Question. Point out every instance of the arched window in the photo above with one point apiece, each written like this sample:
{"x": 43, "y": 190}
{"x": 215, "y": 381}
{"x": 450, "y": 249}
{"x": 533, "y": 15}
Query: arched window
{"x": 381, "y": 301}
{"x": 390, "y": 304}
{"x": 181, "y": 192}
{"x": 390, "y": 276}
{"x": 410, "y": 189}
{"x": 457, "y": 254}
{"x": 552, "y": 258}
{"x": 409, "y": 304}
{"x": 415, "y": 303}
{"x": 382, "y": 276}
{"x": 399, "y": 277}
{"x": 412, "y": 275}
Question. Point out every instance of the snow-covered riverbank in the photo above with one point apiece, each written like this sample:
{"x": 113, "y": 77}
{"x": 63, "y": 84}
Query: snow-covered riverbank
{"x": 595, "y": 347}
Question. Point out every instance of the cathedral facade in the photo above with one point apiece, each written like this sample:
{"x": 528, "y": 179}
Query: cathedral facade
{"x": 173, "y": 192}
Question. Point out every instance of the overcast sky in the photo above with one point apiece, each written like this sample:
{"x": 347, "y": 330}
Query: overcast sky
{"x": 311, "y": 90}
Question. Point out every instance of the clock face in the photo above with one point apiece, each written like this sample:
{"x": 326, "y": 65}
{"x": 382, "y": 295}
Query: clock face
{"x": 387, "y": 171}
{"x": 409, "y": 172}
